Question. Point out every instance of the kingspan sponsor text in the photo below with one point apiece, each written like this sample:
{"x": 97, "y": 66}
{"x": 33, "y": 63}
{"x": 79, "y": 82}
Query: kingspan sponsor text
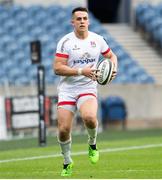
{"x": 84, "y": 61}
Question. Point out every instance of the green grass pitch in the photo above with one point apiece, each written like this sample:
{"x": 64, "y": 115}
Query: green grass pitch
{"x": 123, "y": 154}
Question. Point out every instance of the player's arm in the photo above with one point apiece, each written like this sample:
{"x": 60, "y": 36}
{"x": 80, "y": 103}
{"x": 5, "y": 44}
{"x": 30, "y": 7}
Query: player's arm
{"x": 110, "y": 55}
{"x": 61, "y": 68}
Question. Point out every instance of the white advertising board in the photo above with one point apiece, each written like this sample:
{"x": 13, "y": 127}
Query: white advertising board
{"x": 25, "y": 112}
{"x": 3, "y": 127}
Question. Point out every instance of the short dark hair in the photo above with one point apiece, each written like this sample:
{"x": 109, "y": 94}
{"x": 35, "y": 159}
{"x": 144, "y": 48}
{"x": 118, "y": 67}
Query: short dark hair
{"x": 79, "y": 9}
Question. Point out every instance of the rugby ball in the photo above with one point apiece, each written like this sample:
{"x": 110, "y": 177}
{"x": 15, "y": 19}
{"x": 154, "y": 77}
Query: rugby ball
{"x": 105, "y": 68}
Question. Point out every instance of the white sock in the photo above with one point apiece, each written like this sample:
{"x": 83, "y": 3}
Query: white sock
{"x": 66, "y": 151}
{"x": 92, "y": 135}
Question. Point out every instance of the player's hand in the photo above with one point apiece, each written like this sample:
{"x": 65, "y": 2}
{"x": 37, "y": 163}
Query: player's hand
{"x": 95, "y": 74}
{"x": 89, "y": 72}
{"x": 114, "y": 73}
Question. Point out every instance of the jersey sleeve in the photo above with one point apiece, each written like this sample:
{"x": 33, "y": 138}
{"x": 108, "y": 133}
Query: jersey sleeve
{"x": 104, "y": 46}
{"x": 62, "y": 48}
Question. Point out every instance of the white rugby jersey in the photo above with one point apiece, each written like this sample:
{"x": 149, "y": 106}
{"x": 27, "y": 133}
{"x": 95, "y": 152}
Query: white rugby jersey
{"x": 80, "y": 53}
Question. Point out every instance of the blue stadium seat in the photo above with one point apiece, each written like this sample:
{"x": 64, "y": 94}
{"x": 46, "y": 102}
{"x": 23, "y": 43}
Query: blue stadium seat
{"x": 16, "y": 10}
{"x": 4, "y": 17}
{"x": 141, "y": 10}
{"x": 122, "y": 78}
{"x": 144, "y": 78}
{"x": 113, "y": 109}
{"x": 2, "y": 57}
{"x": 154, "y": 26}
{"x": 21, "y": 80}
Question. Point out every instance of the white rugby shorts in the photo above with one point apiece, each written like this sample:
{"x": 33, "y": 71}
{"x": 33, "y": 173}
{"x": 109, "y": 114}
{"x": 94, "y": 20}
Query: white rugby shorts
{"x": 72, "y": 101}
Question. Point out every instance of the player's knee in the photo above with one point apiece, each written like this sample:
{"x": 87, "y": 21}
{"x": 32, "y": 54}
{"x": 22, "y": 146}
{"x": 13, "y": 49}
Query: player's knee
{"x": 64, "y": 133}
{"x": 64, "y": 130}
{"x": 89, "y": 120}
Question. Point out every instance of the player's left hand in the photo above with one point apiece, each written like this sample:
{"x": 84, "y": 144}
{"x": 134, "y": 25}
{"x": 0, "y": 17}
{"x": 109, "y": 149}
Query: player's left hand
{"x": 113, "y": 75}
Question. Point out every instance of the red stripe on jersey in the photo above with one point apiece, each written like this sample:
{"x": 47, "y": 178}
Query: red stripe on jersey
{"x": 62, "y": 55}
{"x": 103, "y": 53}
{"x": 73, "y": 103}
{"x": 86, "y": 94}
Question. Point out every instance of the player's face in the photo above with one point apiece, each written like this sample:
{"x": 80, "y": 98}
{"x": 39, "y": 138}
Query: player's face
{"x": 80, "y": 21}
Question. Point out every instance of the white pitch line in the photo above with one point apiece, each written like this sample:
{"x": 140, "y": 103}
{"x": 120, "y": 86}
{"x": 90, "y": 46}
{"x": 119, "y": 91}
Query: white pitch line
{"x": 83, "y": 153}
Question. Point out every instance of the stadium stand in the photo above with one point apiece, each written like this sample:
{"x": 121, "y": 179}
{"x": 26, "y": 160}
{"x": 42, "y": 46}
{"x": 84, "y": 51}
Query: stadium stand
{"x": 149, "y": 19}
{"x": 140, "y": 50}
{"x": 21, "y": 25}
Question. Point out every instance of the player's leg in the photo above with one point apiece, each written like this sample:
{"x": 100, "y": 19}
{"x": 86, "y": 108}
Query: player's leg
{"x": 65, "y": 118}
{"x": 88, "y": 109}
